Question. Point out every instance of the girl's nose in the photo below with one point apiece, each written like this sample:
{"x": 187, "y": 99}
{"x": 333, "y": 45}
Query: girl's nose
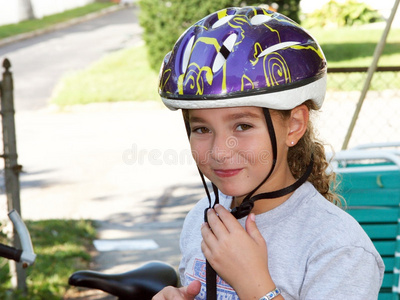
{"x": 223, "y": 148}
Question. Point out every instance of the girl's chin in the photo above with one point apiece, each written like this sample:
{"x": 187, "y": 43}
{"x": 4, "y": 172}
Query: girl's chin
{"x": 232, "y": 192}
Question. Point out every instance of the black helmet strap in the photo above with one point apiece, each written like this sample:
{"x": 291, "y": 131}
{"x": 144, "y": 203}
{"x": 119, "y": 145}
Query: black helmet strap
{"x": 248, "y": 202}
{"x": 215, "y": 189}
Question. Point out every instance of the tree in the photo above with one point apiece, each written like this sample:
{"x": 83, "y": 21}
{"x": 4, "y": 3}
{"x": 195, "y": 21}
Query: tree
{"x": 26, "y": 9}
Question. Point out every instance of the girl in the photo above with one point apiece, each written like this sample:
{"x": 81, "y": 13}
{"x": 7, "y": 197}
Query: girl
{"x": 246, "y": 80}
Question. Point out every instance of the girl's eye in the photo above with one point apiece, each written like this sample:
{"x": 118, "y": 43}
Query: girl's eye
{"x": 201, "y": 130}
{"x": 243, "y": 127}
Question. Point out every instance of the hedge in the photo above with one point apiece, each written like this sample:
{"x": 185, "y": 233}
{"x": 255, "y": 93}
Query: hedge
{"x": 164, "y": 21}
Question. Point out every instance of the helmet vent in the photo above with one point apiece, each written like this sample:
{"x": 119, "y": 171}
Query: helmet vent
{"x": 186, "y": 54}
{"x": 277, "y": 47}
{"x": 224, "y": 52}
{"x": 222, "y": 21}
{"x": 260, "y": 19}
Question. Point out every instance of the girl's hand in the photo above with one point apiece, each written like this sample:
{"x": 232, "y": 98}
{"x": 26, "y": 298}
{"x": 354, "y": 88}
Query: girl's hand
{"x": 238, "y": 255}
{"x": 183, "y": 293}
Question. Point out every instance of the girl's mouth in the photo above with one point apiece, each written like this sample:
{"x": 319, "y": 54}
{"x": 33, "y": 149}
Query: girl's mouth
{"x": 226, "y": 172}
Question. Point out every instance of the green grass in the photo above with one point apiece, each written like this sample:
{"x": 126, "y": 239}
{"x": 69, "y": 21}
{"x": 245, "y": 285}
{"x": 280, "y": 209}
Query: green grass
{"x": 31, "y": 25}
{"x": 354, "y": 46}
{"x": 62, "y": 247}
{"x": 121, "y": 76}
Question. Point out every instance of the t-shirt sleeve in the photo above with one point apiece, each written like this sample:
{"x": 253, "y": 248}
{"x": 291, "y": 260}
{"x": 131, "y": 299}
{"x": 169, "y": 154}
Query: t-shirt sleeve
{"x": 344, "y": 273}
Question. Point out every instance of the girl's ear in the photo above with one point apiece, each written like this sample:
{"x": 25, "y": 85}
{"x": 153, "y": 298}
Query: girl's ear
{"x": 297, "y": 123}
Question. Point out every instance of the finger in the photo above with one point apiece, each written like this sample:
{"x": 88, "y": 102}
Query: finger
{"x": 252, "y": 229}
{"x": 230, "y": 222}
{"x": 209, "y": 240}
{"x": 205, "y": 249}
{"x": 158, "y": 297}
{"x": 215, "y": 224}
{"x": 193, "y": 289}
{"x": 166, "y": 293}
{"x": 207, "y": 234}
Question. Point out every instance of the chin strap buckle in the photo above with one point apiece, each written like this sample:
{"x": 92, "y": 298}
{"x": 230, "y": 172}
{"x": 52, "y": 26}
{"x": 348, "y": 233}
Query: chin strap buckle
{"x": 243, "y": 209}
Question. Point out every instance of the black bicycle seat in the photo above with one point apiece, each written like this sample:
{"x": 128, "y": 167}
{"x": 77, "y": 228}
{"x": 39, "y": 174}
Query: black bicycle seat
{"x": 141, "y": 283}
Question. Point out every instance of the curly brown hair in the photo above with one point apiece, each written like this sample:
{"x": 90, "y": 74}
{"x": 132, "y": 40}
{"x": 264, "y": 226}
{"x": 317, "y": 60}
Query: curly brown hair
{"x": 299, "y": 157}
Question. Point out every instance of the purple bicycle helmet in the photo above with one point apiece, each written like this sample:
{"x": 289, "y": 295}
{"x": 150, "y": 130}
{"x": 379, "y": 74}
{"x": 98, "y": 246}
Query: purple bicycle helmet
{"x": 243, "y": 57}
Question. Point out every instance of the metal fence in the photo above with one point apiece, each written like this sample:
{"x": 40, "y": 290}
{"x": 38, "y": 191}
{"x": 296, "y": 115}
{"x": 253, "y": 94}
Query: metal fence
{"x": 379, "y": 118}
{"x": 11, "y": 167}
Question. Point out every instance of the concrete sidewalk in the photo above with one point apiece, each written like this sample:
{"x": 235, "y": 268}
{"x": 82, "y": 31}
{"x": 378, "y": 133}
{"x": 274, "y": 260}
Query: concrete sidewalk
{"x": 118, "y": 164}
{"x": 125, "y": 165}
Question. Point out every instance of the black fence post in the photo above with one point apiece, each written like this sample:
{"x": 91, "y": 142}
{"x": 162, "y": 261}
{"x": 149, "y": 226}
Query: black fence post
{"x": 11, "y": 167}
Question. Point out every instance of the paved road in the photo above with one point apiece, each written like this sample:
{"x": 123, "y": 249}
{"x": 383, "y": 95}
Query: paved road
{"x": 39, "y": 62}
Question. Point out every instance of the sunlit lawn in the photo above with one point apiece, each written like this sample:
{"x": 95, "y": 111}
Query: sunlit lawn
{"x": 121, "y": 76}
{"x": 31, "y": 25}
{"x": 354, "y": 47}
{"x": 62, "y": 247}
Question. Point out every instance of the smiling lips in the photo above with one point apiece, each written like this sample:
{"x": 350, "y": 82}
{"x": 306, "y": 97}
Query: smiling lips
{"x": 226, "y": 172}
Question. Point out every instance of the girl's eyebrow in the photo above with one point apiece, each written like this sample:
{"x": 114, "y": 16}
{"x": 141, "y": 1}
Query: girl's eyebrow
{"x": 237, "y": 116}
{"x": 243, "y": 115}
{"x": 196, "y": 119}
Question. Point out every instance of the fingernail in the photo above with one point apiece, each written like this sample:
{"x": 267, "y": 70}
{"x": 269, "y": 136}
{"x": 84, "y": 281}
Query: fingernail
{"x": 205, "y": 224}
{"x": 252, "y": 217}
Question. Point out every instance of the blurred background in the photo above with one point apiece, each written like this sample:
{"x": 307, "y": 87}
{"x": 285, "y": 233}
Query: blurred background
{"x": 103, "y": 160}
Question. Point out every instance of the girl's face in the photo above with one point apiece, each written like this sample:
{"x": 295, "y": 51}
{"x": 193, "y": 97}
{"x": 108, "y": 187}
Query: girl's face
{"x": 232, "y": 148}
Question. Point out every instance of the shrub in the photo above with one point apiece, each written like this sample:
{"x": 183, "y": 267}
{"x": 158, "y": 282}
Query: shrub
{"x": 334, "y": 14}
{"x": 164, "y": 21}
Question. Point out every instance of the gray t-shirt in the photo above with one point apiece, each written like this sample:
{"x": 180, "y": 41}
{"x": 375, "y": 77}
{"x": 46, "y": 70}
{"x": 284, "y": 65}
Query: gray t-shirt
{"x": 315, "y": 250}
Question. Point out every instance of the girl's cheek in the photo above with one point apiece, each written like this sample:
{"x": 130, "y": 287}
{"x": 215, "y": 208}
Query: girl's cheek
{"x": 198, "y": 148}
{"x": 201, "y": 158}
{"x": 198, "y": 154}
